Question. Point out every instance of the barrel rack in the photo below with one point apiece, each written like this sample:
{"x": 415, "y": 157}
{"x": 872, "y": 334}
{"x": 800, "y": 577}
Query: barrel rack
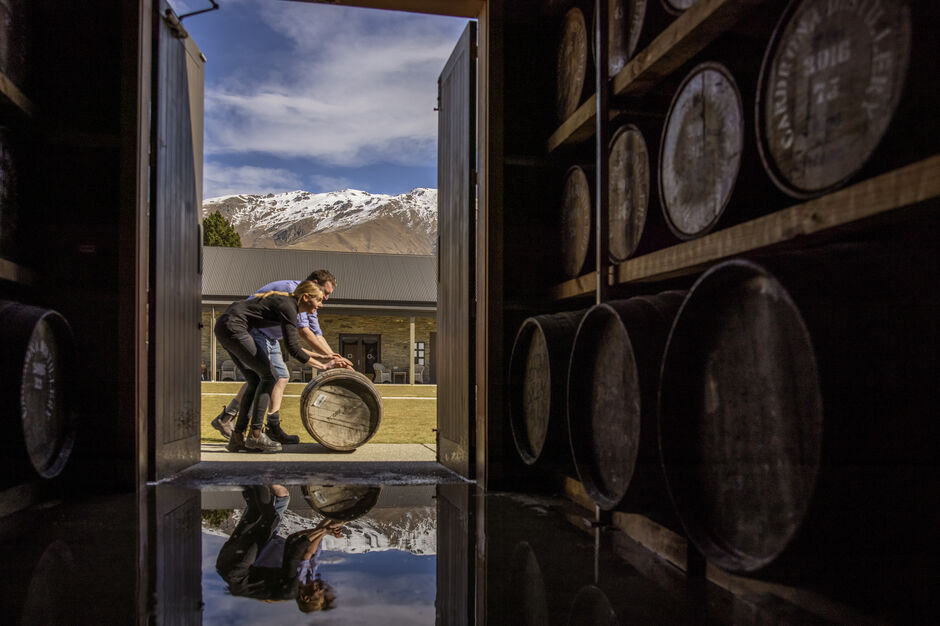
{"x": 704, "y": 22}
{"x": 906, "y": 192}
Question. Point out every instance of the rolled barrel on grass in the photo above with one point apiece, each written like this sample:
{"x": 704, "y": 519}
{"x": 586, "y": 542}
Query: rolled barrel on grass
{"x": 341, "y": 409}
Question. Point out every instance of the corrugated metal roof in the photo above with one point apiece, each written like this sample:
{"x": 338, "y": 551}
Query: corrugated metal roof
{"x": 362, "y": 278}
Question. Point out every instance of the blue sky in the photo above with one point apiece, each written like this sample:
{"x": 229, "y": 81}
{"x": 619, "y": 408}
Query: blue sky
{"x": 319, "y": 97}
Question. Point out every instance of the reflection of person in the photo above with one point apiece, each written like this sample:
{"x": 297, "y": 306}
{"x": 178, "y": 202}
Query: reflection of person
{"x": 308, "y": 327}
{"x": 257, "y": 563}
{"x": 271, "y": 308}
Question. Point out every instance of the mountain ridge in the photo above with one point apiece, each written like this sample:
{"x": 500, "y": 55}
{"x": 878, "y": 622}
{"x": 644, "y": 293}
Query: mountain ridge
{"x": 349, "y": 220}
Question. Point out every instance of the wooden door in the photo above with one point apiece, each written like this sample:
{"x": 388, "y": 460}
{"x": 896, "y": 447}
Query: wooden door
{"x": 175, "y": 249}
{"x": 362, "y": 350}
{"x": 456, "y": 176}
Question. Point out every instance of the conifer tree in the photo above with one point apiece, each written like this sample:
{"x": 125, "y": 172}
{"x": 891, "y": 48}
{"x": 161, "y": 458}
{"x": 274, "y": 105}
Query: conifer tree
{"x": 218, "y": 231}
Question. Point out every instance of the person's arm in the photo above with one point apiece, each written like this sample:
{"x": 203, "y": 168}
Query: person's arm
{"x": 309, "y": 329}
{"x": 292, "y": 339}
{"x": 312, "y": 340}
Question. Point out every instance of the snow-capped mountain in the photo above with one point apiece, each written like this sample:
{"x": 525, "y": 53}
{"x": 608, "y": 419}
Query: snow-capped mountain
{"x": 344, "y": 221}
{"x": 411, "y": 530}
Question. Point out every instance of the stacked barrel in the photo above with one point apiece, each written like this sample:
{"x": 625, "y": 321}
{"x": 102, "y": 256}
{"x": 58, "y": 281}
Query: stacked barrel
{"x": 803, "y": 105}
{"x": 777, "y": 408}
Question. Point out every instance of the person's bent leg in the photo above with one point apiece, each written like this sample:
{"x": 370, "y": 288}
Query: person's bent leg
{"x": 253, "y": 363}
{"x": 281, "y": 373}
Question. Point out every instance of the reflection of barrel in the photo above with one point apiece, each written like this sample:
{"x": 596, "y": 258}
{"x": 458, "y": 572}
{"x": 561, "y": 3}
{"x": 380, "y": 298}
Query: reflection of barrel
{"x": 576, "y": 220}
{"x": 341, "y": 409}
{"x": 36, "y": 359}
{"x": 793, "y": 419}
{"x": 831, "y": 81}
{"x": 612, "y": 384}
{"x": 40, "y": 584}
{"x": 532, "y": 605}
{"x": 342, "y": 503}
{"x": 538, "y": 368}
{"x": 592, "y": 608}
{"x": 573, "y": 77}
{"x": 700, "y": 152}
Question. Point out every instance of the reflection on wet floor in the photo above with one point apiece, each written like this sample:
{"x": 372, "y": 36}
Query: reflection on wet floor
{"x": 308, "y": 552}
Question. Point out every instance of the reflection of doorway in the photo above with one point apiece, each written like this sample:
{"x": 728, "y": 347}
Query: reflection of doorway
{"x": 362, "y": 350}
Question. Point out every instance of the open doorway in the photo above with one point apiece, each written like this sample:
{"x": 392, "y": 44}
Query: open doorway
{"x": 326, "y": 112}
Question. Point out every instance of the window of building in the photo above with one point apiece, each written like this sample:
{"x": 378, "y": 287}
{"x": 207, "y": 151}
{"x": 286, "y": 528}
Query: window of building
{"x": 419, "y": 353}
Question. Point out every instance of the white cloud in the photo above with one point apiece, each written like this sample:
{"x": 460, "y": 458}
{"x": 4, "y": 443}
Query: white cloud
{"x": 330, "y": 183}
{"x": 220, "y": 180}
{"x": 358, "y": 87}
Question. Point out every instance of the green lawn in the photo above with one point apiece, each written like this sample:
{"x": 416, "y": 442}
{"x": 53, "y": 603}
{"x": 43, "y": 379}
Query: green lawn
{"x": 408, "y": 413}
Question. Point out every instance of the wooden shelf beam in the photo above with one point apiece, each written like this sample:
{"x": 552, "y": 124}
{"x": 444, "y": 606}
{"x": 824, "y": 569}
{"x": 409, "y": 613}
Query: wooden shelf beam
{"x": 16, "y": 273}
{"x": 688, "y": 35}
{"x": 882, "y": 194}
{"x": 10, "y": 95}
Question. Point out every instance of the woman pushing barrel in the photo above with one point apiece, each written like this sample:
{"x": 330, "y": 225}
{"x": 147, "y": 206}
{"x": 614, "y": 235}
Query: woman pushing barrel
{"x": 271, "y": 308}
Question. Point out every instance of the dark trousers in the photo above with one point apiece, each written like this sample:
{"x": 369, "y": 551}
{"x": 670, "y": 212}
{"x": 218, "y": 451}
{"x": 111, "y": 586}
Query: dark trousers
{"x": 253, "y": 532}
{"x": 254, "y": 365}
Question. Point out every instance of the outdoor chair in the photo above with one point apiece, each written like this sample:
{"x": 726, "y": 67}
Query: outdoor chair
{"x": 382, "y": 374}
{"x": 228, "y": 370}
{"x": 419, "y": 373}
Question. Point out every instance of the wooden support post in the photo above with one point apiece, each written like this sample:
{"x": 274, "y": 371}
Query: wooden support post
{"x": 602, "y": 84}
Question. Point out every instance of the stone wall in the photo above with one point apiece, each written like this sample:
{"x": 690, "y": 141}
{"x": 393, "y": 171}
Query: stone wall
{"x": 394, "y": 331}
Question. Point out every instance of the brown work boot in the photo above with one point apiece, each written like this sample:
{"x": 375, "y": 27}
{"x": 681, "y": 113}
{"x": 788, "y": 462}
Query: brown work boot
{"x": 224, "y": 422}
{"x": 261, "y": 443}
{"x": 236, "y": 442}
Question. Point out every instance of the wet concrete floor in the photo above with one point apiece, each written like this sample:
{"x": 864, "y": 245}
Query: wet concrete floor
{"x": 225, "y": 545}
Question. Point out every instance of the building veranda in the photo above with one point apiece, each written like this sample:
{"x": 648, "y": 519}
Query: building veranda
{"x": 383, "y": 310}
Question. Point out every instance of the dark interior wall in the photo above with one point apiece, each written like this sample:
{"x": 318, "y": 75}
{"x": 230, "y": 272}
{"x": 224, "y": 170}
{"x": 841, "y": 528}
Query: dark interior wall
{"x": 73, "y": 217}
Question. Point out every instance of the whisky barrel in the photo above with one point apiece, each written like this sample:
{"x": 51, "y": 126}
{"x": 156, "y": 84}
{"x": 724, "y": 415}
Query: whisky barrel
{"x": 342, "y": 503}
{"x": 341, "y": 409}
{"x": 538, "y": 369}
{"x": 613, "y": 379}
{"x": 629, "y": 195}
{"x": 633, "y": 227}
{"x": 831, "y": 81}
{"x": 573, "y": 78}
{"x": 795, "y": 407}
{"x": 741, "y": 417}
{"x": 575, "y": 222}
{"x": 700, "y": 152}
{"x": 632, "y": 25}
{"x": 34, "y": 369}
